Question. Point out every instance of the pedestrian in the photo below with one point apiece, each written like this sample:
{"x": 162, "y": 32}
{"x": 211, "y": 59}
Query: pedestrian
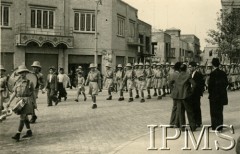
{"x": 181, "y": 92}
{"x": 119, "y": 80}
{"x": 51, "y": 86}
{"x": 94, "y": 80}
{"x": 129, "y": 79}
{"x": 108, "y": 82}
{"x": 217, "y": 89}
{"x": 63, "y": 82}
{"x": 149, "y": 75}
{"x": 24, "y": 91}
{"x": 174, "y": 121}
{"x": 36, "y": 66}
{"x": 80, "y": 86}
{"x": 198, "y": 90}
{"x": 4, "y": 94}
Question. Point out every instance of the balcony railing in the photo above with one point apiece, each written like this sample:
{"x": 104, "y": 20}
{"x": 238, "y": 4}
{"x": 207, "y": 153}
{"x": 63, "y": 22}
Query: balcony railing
{"x": 55, "y": 30}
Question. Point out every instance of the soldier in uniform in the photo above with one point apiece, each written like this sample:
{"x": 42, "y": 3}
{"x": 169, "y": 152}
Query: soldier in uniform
{"x": 154, "y": 70}
{"x": 109, "y": 81}
{"x": 141, "y": 76}
{"x": 36, "y": 66}
{"x": 149, "y": 73}
{"x": 94, "y": 80}
{"x": 3, "y": 88}
{"x": 23, "y": 90}
{"x": 136, "y": 80}
{"x": 119, "y": 80}
{"x": 129, "y": 79}
{"x": 158, "y": 80}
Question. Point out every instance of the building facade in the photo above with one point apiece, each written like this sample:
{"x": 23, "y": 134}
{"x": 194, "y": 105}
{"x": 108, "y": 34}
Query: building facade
{"x": 62, "y": 33}
{"x": 171, "y": 46}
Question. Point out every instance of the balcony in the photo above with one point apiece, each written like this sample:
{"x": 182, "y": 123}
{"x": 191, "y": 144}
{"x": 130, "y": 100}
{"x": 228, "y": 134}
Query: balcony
{"x": 58, "y": 35}
{"x": 133, "y": 42}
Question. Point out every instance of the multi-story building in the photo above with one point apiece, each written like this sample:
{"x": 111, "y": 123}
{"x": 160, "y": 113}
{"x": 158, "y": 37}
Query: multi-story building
{"x": 171, "y": 46}
{"x": 62, "y": 33}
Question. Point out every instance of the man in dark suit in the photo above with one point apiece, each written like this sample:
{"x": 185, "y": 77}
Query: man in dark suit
{"x": 217, "y": 88}
{"x": 51, "y": 86}
{"x": 198, "y": 89}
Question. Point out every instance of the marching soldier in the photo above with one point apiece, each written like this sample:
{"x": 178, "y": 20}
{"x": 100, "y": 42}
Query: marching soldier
{"x": 154, "y": 70}
{"x": 94, "y": 80}
{"x": 141, "y": 76}
{"x": 136, "y": 80}
{"x": 3, "y": 88}
{"x": 158, "y": 80}
{"x": 149, "y": 73}
{"x": 119, "y": 80}
{"x": 109, "y": 81}
{"x": 129, "y": 79}
{"x": 52, "y": 86}
{"x": 36, "y": 66}
{"x": 23, "y": 90}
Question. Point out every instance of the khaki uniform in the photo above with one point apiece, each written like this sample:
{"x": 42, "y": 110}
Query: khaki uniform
{"x": 149, "y": 75}
{"x": 130, "y": 78}
{"x": 119, "y": 79}
{"x": 109, "y": 79}
{"x": 141, "y": 76}
{"x": 94, "y": 80}
{"x": 158, "y": 79}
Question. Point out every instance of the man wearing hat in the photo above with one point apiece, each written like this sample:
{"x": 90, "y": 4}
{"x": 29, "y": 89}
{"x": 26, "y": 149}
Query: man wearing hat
{"x": 24, "y": 91}
{"x": 3, "y": 88}
{"x": 129, "y": 78}
{"x": 94, "y": 80}
{"x": 119, "y": 80}
{"x": 52, "y": 86}
{"x": 217, "y": 89}
{"x": 154, "y": 69}
{"x": 109, "y": 80}
{"x": 36, "y": 66}
{"x": 149, "y": 75}
{"x": 136, "y": 71}
{"x": 141, "y": 76}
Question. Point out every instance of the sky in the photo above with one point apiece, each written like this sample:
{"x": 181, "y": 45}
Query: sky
{"x": 191, "y": 16}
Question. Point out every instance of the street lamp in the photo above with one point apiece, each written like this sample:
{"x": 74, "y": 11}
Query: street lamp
{"x": 98, "y": 2}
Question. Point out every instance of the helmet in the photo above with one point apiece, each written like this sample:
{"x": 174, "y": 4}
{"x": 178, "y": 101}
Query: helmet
{"x": 128, "y": 65}
{"x": 36, "y": 64}
{"x": 119, "y": 66}
{"x": 92, "y": 65}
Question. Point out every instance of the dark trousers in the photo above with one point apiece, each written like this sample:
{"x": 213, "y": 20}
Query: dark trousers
{"x": 61, "y": 90}
{"x": 216, "y": 112}
{"x": 173, "y": 120}
{"x": 196, "y": 104}
{"x": 182, "y": 106}
{"x": 51, "y": 96}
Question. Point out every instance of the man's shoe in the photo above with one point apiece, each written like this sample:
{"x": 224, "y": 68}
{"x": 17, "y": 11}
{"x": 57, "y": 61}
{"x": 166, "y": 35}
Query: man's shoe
{"x": 16, "y": 137}
{"x": 155, "y": 94}
{"x": 137, "y": 96}
{"x": 130, "y": 100}
{"x": 142, "y": 100}
{"x": 159, "y": 97}
{"x": 94, "y": 106}
{"x": 76, "y": 100}
{"x": 28, "y": 134}
{"x": 109, "y": 98}
{"x": 148, "y": 97}
{"x": 33, "y": 120}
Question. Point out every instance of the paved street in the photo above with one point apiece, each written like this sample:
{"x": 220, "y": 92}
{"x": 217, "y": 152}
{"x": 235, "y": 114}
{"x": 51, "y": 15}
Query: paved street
{"x": 114, "y": 127}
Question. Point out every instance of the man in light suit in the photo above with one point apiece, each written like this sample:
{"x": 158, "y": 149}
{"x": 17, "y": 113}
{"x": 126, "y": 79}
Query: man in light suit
{"x": 217, "y": 89}
{"x": 51, "y": 86}
{"x": 197, "y": 92}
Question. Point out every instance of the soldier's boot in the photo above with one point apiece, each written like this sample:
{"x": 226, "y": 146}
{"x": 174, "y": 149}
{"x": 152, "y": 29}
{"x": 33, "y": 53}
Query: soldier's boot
{"x": 33, "y": 120}
{"x": 109, "y": 98}
{"x": 142, "y": 100}
{"x": 28, "y": 134}
{"x": 16, "y": 137}
{"x": 94, "y": 106}
{"x": 130, "y": 100}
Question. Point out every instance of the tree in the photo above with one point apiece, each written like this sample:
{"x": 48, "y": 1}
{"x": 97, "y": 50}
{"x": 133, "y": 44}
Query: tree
{"x": 227, "y": 35}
